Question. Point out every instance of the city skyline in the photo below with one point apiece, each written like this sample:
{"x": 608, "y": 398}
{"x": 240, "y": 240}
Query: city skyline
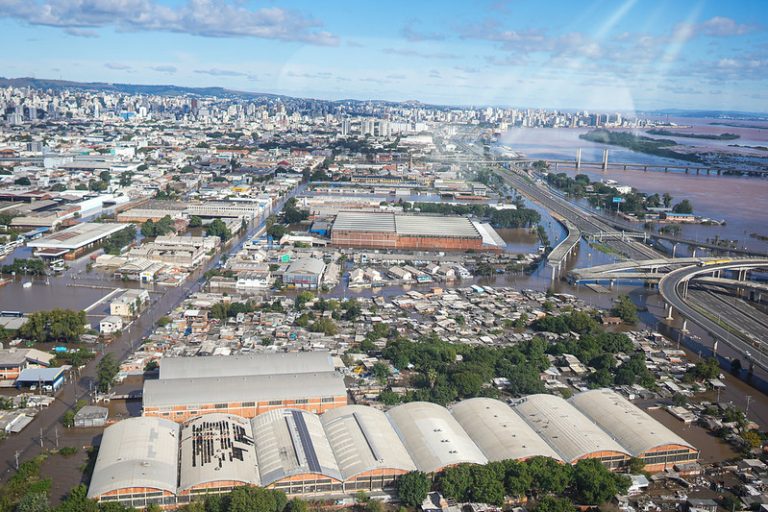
{"x": 610, "y": 56}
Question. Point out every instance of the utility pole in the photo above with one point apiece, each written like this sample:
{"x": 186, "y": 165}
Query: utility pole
{"x": 56, "y": 433}
{"x": 41, "y": 437}
{"x": 746, "y": 411}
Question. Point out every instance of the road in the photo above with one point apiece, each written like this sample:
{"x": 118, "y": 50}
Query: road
{"x": 27, "y": 442}
{"x": 670, "y": 287}
{"x": 587, "y": 222}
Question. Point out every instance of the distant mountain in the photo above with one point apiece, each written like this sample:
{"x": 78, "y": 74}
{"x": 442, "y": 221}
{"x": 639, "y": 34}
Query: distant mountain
{"x": 160, "y": 90}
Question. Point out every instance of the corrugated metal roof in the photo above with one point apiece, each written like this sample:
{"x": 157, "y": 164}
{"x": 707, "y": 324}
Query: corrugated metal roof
{"x": 292, "y": 442}
{"x": 435, "y": 225}
{"x": 433, "y": 437}
{"x": 137, "y": 452}
{"x": 217, "y": 447}
{"x": 240, "y": 365}
{"x": 634, "y": 429}
{"x": 248, "y": 388}
{"x": 362, "y": 440}
{"x": 571, "y": 434}
{"x": 499, "y": 431}
{"x": 365, "y": 221}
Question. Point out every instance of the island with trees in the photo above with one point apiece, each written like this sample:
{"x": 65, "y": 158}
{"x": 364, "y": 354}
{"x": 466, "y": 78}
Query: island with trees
{"x": 639, "y": 143}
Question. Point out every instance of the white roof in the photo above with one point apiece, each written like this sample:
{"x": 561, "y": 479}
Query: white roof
{"x": 433, "y": 437}
{"x": 217, "y": 447}
{"x": 363, "y": 440}
{"x": 77, "y": 236}
{"x": 292, "y": 442}
{"x": 571, "y": 434}
{"x": 634, "y": 429}
{"x": 499, "y": 431}
{"x": 257, "y": 364}
{"x": 365, "y": 221}
{"x": 248, "y": 388}
{"x": 434, "y": 225}
{"x": 137, "y": 452}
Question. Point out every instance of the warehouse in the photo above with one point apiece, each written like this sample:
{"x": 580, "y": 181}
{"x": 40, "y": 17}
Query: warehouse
{"x": 293, "y": 453}
{"x": 247, "y": 396}
{"x": 571, "y": 434}
{"x": 639, "y": 433}
{"x": 387, "y": 230}
{"x": 217, "y": 454}
{"x": 433, "y": 437}
{"x": 74, "y": 241}
{"x": 261, "y": 364}
{"x": 137, "y": 463}
{"x": 245, "y": 385}
{"x": 499, "y": 432}
{"x": 366, "y": 447}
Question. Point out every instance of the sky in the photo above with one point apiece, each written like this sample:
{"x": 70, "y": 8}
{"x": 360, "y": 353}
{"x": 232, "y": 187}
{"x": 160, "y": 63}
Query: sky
{"x": 622, "y": 55}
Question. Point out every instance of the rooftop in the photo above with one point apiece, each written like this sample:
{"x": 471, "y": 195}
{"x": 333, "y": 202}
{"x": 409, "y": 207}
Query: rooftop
{"x": 243, "y": 365}
{"x": 77, "y": 236}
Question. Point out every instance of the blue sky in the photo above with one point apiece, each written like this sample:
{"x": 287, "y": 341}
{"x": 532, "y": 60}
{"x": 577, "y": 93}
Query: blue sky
{"x": 605, "y": 54}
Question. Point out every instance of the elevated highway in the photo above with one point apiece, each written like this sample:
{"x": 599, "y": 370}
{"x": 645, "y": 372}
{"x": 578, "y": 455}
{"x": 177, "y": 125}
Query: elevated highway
{"x": 674, "y": 289}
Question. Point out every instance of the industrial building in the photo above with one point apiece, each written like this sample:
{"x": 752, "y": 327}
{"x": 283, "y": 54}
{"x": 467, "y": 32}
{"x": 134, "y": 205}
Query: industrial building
{"x": 433, "y": 437}
{"x": 387, "y": 230}
{"x": 244, "y": 385}
{"x": 499, "y": 432}
{"x": 635, "y": 430}
{"x": 571, "y": 434}
{"x": 352, "y": 448}
{"x": 72, "y": 242}
{"x": 367, "y": 448}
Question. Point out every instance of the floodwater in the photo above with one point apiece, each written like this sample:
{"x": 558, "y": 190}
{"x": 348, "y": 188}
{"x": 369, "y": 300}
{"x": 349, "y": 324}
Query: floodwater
{"x": 741, "y": 201}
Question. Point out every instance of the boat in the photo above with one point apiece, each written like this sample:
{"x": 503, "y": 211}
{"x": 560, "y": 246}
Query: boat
{"x": 28, "y": 284}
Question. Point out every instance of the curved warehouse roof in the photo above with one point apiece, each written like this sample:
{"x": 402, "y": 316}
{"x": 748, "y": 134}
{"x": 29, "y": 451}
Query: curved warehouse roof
{"x": 137, "y": 452}
{"x": 634, "y": 429}
{"x": 499, "y": 431}
{"x": 363, "y": 440}
{"x": 217, "y": 447}
{"x": 292, "y": 442}
{"x": 571, "y": 434}
{"x": 433, "y": 437}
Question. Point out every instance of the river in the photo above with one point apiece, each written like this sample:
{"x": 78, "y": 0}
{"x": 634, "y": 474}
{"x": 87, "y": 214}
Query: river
{"x": 741, "y": 201}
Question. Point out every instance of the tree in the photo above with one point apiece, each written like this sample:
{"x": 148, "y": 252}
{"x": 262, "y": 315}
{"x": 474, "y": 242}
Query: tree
{"x": 380, "y": 372}
{"x": 625, "y": 309}
{"x": 277, "y": 231}
{"x": 23, "y": 181}
{"x": 517, "y": 480}
{"x": 683, "y": 206}
{"x": 412, "y": 488}
{"x": 595, "y": 484}
{"x": 752, "y": 439}
{"x": 486, "y": 487}
{"x": 456, "y": 482}
{"x": 106, "y": 372}
{"x": 296, "y": 505}
{"x": 736, "y": 366}
{"x": 218, "y": 228}
{"x": 195, "y": 221}
{"x": 68, "y": 419}
{"x": 667, "y": 198}
{"x": 77, "y": 501}
{"x": 548, "y": 476}
{"x": 554, "y": 504}
{"x": 636, "y": 465}
{"x": 34, "y": 502}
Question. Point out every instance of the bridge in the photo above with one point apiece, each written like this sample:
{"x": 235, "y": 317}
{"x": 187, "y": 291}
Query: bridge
{"x": 557, "y": 257}
{"x": 604, "y": 164}
{"x": 674, "y": 289}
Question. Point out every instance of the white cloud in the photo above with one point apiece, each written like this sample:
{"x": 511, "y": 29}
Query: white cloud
{"x": 164, "y": 69}
{"x": 209, "y": 18}
{"x": 117, "y": 66}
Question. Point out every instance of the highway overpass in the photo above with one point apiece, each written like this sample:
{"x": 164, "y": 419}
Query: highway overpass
{"x": 674, "y": 289}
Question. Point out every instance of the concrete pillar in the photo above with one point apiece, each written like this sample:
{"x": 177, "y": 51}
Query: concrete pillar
{"x": 578, "y": 158}
{"x": 556, "y": 165}
{"x": 685, "y": 325}
{"x": 605, "y": 159}
{"x": 554, "y": 273}
{"x": 645, "y": 168}
{"x": 666, "y": 169}
{"x": 694, "y": 252}
{"x": 669, "y": 312}
{"x": 714, "y": 348}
